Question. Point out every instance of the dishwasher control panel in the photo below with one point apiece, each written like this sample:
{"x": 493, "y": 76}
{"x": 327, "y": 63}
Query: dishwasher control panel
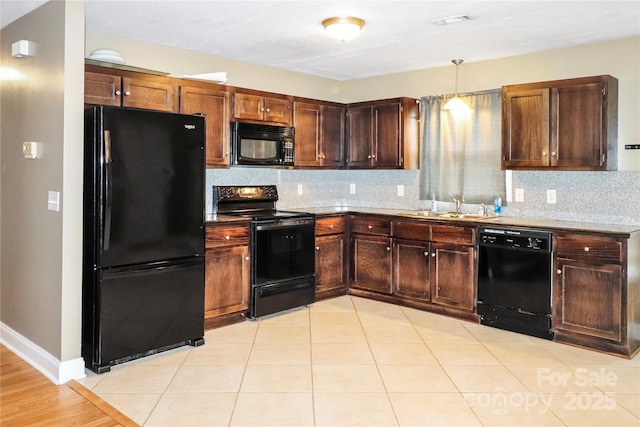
{"x": 515, "y": 238}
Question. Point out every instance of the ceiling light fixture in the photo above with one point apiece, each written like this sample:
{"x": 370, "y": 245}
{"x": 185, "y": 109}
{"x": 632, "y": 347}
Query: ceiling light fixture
{"x": 453, "y": 19}
{"x": 456, "y": 103}
{"x": 343, "y": 27}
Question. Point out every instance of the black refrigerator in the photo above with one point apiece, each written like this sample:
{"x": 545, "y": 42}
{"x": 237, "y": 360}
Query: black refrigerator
{"x": 143, "y": 234}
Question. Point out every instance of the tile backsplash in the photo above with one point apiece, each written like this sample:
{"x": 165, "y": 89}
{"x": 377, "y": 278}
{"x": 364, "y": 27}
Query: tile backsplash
{"x": 606, "y": 197}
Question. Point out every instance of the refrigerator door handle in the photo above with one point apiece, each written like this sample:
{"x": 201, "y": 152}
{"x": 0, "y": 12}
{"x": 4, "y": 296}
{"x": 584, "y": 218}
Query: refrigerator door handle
{"x": 108, "y": 190}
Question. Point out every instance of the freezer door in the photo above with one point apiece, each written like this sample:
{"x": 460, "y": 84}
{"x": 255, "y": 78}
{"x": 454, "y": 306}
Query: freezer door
{"x": 150, "y": 203}
{"x": 138, "y": 311}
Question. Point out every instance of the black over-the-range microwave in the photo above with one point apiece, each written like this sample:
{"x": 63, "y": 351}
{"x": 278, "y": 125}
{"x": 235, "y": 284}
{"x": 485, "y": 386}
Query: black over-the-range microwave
{"x": 261, "y": 145}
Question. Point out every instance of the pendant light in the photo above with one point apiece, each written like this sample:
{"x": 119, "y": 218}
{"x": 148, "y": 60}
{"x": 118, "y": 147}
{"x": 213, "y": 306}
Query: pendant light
{"x": 343, "y": 27}
{"x": 456, "y": 103}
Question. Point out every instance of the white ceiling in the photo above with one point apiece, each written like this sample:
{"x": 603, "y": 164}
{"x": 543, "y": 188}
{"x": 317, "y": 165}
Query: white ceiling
{"x": 398, "y": 35}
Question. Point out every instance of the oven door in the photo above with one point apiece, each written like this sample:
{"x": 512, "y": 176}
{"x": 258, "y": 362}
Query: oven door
{"x": 282, "y": 249}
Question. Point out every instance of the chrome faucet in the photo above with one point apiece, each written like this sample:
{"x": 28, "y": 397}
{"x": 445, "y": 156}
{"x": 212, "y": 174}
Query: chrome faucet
{"x": 458, "y": 201}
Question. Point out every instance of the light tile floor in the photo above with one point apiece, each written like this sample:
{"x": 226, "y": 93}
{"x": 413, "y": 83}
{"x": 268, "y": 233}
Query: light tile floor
{"x": 350, "y": 361}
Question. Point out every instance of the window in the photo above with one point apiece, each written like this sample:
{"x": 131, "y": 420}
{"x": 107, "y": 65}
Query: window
{"x": 461, "y": 150}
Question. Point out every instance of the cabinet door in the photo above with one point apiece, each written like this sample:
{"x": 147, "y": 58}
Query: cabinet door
{"x": 525, "y": 129}
{"x": 332, "y": 136}
{"x": 452, "y": 275}
{"x": 102, "y": 89}
{"x": 587, "y": 299}
{"x": 359, "y": 137}
{"x": 372, "y": 263}
{"x": 277, "y": 110}
{"x": 249, "y": 107}
{"x": 387, "y": 139}
{"x": 149, "y": 93}
{"x": 577, "y": 127}
{"x": 214, "y": 105}
{"x": 330, "y": 262}
{"x": 226, "y": 280}
{"x": 411, "y": 269}
{"x": 306, "y": 120}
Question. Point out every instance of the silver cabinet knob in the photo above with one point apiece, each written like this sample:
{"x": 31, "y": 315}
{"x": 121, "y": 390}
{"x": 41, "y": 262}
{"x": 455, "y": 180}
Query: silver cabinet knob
{"x": 544, "y": 153}
{"x": 586, "y": 248}
{"x": 317, "y": 248}
{"x": 369, "y": 227}
{"x": 246, "y": 258}
{"x": 553, "y": 153}
{"x": 426, "y": 253}
{"x": 433, "y": 255}
{"x": 127, "y": 93}
{"x": 369, "y": 156}
{"x": 268, "y": 109}
{"x": 559, "y": 271}
{"x": 331, "y": 226}
{"x": 388, "y": 248}
{"x": 227, "y": 237}
{"x": 373, "y": 156}
{"x": 118, "y": 93}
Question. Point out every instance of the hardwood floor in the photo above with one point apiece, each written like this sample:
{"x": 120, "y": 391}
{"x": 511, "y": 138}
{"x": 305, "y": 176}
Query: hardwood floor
{"x": 28, "y": 398}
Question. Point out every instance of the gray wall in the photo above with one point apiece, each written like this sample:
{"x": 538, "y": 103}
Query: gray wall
{"x": 41, "y": 250}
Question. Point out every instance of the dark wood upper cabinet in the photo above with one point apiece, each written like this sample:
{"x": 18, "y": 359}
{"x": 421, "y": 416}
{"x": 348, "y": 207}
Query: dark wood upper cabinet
{"x": 262, "y": 107}
{"x": 561, "y": 125}
{"x": 319, "y": 134}
{"x": 212, "y": 101}
{"x": 383, "y": 134}
{"x": 121, "y": 88}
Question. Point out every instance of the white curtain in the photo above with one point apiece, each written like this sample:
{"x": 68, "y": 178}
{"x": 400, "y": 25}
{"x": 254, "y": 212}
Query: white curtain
{"x": 461, "y": 150}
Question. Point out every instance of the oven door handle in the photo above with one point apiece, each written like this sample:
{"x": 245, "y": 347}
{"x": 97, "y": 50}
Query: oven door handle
{"x": 275, "y": 289}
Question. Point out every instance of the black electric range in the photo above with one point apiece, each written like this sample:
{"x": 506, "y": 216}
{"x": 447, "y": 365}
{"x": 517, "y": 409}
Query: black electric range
{"x": 282, "y": 248}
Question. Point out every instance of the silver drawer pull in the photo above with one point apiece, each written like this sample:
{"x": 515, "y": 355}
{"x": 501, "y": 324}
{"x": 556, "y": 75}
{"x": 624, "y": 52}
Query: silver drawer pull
{"x": 586, "y": 248}
{"x": 369, "y": 227}
{"x": 227, "y": 237}
{"x": 331, "y": 226}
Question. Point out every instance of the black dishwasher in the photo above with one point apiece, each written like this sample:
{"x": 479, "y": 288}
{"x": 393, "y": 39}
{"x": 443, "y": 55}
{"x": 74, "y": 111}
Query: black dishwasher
{"x": 514, "y": 280}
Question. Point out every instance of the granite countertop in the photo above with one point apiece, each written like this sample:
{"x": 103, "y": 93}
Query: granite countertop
{"x": 551, "y": 224}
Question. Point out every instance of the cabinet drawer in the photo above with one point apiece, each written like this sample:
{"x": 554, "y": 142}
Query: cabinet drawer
{"x": 414, "y": 230}
{"x": 589, "y": 249}
{"x": 330, "y": 225}
{"x": 226, "y": 235}
{"x": 452, "y": 234}
{"x": 366, "y": 225}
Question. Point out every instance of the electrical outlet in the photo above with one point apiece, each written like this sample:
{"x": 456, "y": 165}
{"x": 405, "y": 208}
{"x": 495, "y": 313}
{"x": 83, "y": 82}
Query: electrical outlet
{"x": 551, "y": 196}
{"x": 400, "y": 190}
{"x": 300, "y": 190}
{"x": 519, "y": 196}
{"x": 352, "y": 189}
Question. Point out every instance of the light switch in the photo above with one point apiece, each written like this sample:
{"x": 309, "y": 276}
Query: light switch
{"x": 53, "y": 201}
{"x": 400, "y": 190}
{"x": 31, "y": 150}
{"x": 352, "y": 189}
{"x": 300, "y": 190}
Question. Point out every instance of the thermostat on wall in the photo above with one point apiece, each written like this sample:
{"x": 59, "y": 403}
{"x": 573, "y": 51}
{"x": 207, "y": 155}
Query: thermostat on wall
{"x": 31, "y": 150}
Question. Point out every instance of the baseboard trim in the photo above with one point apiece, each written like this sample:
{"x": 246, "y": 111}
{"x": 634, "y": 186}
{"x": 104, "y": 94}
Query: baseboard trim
{"x": 58, "y": 372}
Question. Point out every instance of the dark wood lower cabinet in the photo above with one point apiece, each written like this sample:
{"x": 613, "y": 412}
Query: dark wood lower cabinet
{"x": 331, "y": 265}
{"x": 452, "y": 275}
{"x": 411, "y": 271}
{"x": 227, "y": 274}
{"x": 596, "y": 292}
{"x": 227, "y": 281}
{"x": 371, "y": 263}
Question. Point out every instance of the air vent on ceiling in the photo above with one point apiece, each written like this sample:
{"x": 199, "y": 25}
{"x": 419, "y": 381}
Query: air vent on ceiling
{"x": 453, "y": 19}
